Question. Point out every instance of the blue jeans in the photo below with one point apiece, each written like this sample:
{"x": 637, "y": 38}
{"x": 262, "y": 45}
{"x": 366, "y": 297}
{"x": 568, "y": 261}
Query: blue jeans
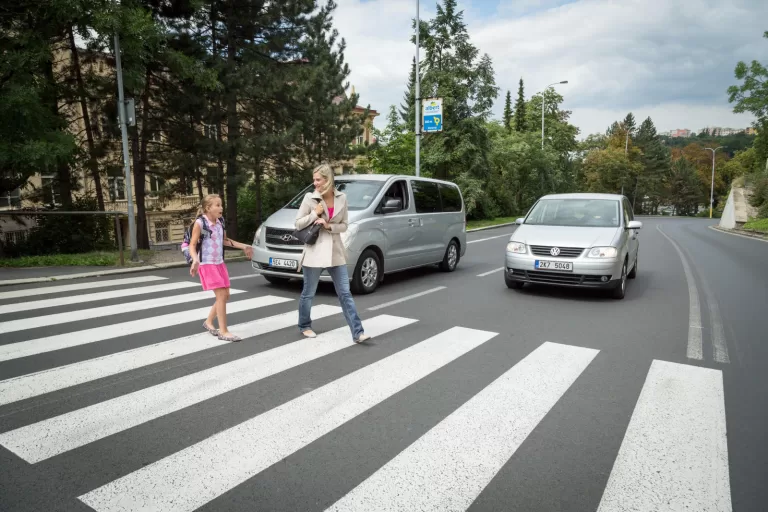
{"x": 341, "y": 283}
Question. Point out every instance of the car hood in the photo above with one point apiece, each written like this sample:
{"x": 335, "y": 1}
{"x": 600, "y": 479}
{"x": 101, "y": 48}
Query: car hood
{"x": 285, "y": 218}
{"x": 565, "y": 236}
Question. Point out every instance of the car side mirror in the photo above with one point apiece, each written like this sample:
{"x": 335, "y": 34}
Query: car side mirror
{"x": 392, "y": 206}
{"x": 519, "y": 221}
{"x": 634, "y": 224}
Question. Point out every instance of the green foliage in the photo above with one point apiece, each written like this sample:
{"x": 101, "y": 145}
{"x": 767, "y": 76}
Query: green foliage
{"x": 685, "y": 191}
{"x": 521, "y": 120}
{"x": 507, "y": 117}
{"x": 752, "y": 95}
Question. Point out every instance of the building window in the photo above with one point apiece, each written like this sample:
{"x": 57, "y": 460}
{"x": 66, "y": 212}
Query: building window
{"x": 15, "y": 237}
{"x": 156, "y": 185}
{"x": 11, "y": 199}
{"x": 116, "y": 188}
{"x": 162, "y": 231}
{"x": 50, "y": 193}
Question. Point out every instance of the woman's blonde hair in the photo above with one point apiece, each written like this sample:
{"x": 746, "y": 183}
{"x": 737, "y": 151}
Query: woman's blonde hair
{"x": 206, "y": 203}
{"x": 326, "y": 172}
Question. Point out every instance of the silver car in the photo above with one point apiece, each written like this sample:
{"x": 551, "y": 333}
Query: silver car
{"x": 580, "y": 240}
{"x": 395, "y": 223}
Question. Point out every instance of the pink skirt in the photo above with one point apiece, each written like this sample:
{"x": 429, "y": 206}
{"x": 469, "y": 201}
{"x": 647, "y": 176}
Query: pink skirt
{"x": 214, "y": 276}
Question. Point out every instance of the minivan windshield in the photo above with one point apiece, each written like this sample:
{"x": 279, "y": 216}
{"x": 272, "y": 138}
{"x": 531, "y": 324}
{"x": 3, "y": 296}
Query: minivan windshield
{"x": 360, "y": 193}
{"x": 575, "y": 212}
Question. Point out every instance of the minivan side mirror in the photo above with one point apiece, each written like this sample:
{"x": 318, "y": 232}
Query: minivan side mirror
{"x": 392, "y": 206}
{"x": 634, "y": 224}
{"x": 520, "y": 221}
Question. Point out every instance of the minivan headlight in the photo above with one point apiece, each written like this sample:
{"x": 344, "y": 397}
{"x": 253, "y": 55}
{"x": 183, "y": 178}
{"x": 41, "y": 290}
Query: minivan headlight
{"x": 517, "y": 248}
{"x": 257, "y": 235}
{"x": 602, "y": 252}
{"x": 349, "y": 235}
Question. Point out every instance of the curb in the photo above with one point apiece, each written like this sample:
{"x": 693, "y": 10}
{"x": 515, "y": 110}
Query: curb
{"x": 491, "y": 227}
{"x": 106, "y": 272}
{"x": 742, "y": 234}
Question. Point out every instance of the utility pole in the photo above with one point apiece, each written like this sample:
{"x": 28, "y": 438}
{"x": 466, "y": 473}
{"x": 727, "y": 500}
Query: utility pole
{"x": 712, "y": 185}
{"x": 417, "y": 109}
{"x": 126, "y": 164}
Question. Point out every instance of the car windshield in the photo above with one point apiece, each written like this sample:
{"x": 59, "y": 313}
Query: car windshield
{"x": 359, "y": 193}
{"x": 575, "y": 212}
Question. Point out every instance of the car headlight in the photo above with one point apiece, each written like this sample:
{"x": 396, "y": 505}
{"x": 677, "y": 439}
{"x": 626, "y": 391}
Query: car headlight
{"x": 517, "y": 248}
{"x": 349, "y": 235}
{"x": 603, "y": 252}
{"x": 257, "y": 236}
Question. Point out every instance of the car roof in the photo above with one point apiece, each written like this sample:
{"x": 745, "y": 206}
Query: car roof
{"x": 384, "y": 177}
{"x": 584, "y": 195}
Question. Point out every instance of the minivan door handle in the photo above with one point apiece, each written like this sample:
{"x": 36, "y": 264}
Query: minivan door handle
{"x": 413, "y": 222}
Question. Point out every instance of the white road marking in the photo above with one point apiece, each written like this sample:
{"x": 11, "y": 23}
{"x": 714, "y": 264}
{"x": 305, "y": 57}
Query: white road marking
{"x": 719, "y": 345}
{"x": 198, "y": 474}
{"x": 35, "y": 384}
{"x": 75, "y": 287}
{"x": 51, "y": 437}
{"x": 449, "y": 466}
{"x": 674, "y": 455}
{"x": 494, "y": 271}
{"x": 694, "y": 350}
{"x": 244, "y": 277}
{"x": 95, "y": 297}
{"x": 116, "y": 309}
{"x": 108, "y": 332}
{"x": 409, "y": 297}
{"x": 489, "y": 238}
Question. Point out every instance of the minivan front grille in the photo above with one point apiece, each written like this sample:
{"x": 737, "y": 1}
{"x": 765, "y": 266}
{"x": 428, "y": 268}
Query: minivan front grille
{"x": 564, "y": 252}
{"x": 559, "y": 278}
{"x": 276, "y": 236}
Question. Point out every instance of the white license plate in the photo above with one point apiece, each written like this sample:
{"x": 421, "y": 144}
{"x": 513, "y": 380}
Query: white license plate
{"x": 563, "y": 266}
{"x": 277, "y": 262}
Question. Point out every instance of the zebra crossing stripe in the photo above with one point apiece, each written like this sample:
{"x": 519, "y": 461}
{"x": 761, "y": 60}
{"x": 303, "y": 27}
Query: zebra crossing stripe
{"x": 116, "y": 309}
{"x": 96, "y": 334}
{"x": 448, "y": 467}
{"x": 94, "y": 297}
{"x": 35, "y": 384}
{"x": 47, "y": 290}
{"x": 48, "y": 438}
{"x": 675, "y": 445}
{"x": 198, "y": 474}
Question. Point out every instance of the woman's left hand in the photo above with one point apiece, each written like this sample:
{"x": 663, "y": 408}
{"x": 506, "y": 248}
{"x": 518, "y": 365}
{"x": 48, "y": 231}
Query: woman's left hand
{"x": 322, "y": 222}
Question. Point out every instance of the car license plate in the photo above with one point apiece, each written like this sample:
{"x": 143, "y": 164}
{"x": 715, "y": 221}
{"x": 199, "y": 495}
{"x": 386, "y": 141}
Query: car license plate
{"x": 277, "y": 262}
{"x": 563, "y": 266}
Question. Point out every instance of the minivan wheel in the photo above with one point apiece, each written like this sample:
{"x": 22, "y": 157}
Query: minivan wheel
{"x": 451, "y": 258}
{"x": 367, "y": 273}
{"x": 620, "y": 291}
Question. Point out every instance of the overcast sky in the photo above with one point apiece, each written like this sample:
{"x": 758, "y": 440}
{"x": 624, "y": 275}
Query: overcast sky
{"x": 671, "y": 60}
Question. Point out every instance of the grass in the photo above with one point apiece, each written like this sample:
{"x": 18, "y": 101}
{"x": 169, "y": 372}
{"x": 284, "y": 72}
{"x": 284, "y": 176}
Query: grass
{"x": 474, "y": 224}
{"x": 88, "y": 259}
{"x": 760, "y": 225}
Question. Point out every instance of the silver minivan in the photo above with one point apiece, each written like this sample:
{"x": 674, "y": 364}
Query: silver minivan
{"x": 396, "y": 223}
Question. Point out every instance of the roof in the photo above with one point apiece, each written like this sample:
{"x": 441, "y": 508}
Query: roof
{"x": 584, "y": 195}
{"x": 384, "y": 177}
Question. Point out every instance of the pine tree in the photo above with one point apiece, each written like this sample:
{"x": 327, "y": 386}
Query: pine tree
{"x": 407, "y": 108}
{"x": 521, "y": 124}
{"x": 656, "y": 163}
{"x": 508, "y": 112}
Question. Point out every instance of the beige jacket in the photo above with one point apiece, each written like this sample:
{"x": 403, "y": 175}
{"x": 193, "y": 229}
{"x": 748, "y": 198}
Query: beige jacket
{"x": 329, "y": 250}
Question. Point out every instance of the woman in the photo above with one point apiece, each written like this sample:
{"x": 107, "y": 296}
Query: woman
{"x": 328, "y": 207}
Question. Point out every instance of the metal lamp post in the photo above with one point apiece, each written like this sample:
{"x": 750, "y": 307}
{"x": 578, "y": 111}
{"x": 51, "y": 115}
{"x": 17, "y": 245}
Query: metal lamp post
{"x": 543, "y": 101}
{"x": 712, "y": 185}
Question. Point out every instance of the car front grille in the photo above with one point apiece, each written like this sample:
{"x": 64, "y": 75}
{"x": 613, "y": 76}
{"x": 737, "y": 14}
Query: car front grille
{"x": 565, "y": 252}
{"x": 546, "y": 277}
{"x": 281, "y": 237}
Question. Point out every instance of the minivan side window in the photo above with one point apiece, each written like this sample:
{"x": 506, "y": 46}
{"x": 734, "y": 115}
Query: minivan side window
{"x": 451, "y": 198}
{"x": 426, "y": 196}
{"x": 398, "y": 190}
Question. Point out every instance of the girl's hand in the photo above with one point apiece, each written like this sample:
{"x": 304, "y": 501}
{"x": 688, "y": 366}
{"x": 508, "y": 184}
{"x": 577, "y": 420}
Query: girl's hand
{"x": 248, "y": 250}
{"x": 193, "y": 268}
{"x": 319, "y": 208}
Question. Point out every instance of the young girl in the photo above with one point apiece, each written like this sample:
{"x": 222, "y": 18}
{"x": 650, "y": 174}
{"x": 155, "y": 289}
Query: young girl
{"x": 213, "y": 270}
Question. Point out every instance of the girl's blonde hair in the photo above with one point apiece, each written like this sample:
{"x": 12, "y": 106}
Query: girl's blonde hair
{"x": 206, "y": 203}
{"x": 326, "y": 172}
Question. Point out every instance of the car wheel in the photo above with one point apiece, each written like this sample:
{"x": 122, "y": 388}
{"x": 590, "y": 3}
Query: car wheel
{"x": 620, "y": 291}
{"x": 367, "y": 273}
{"x": 451, "y": 258}
{"x": 633, "y": 274}
{"x": 515, "y": 285}
{"x": 275, "y": 280}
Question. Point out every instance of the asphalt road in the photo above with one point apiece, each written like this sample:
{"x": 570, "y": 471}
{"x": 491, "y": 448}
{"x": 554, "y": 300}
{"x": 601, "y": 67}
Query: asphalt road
{"x": 471, "y": 396}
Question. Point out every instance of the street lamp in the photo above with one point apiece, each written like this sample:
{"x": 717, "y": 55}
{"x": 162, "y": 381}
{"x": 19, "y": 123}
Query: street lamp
{"x": 542, "y": 109}
{"x": 712, "y": 185}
